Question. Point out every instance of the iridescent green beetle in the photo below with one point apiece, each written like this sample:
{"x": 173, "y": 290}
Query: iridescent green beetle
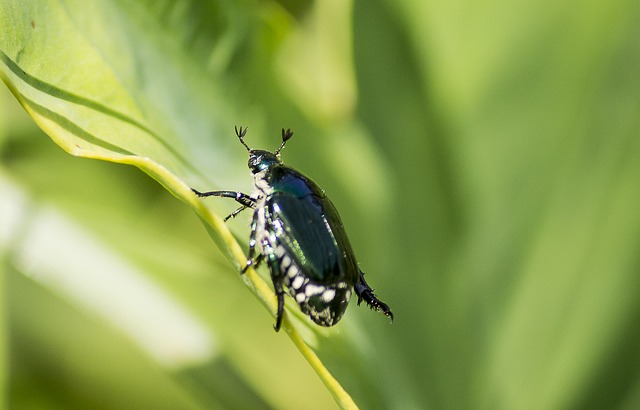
{"x": 298, "y": 231}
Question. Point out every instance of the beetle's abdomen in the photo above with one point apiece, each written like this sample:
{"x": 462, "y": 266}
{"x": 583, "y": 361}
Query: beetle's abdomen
{"x": 309, "y": 228}
{"x": 312, "y": 253}
{"x": 323, "y": 303}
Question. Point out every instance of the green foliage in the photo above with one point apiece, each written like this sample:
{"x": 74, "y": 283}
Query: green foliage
{"x": 485, "y": 159}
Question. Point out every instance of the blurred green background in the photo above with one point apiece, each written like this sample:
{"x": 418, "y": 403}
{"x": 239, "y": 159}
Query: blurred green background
{"x": 484, "y": 156}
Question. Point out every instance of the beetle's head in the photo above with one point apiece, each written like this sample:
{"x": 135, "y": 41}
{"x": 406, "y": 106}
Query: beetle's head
{"x": 260, "y": 160}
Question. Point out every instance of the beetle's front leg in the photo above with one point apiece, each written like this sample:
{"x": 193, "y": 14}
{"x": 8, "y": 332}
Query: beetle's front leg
{"x": 234, "y": 213}
{"x": 243, "y": 199}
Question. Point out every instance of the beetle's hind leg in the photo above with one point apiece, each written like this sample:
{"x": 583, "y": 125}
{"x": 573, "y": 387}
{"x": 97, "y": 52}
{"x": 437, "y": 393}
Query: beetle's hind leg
{"x": 364, "y": 292}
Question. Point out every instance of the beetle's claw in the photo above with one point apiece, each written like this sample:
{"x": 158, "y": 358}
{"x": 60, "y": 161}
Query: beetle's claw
{"x": 365, "y": 293}
{"x": 374, "y": 303}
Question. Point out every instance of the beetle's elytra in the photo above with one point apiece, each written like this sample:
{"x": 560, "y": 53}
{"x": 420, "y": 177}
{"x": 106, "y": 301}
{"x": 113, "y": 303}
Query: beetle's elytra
{"x": 298, "y": 232}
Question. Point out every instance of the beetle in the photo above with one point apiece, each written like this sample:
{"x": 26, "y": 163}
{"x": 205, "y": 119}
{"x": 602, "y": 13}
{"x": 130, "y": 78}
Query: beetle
{"x": 296, "y": 229}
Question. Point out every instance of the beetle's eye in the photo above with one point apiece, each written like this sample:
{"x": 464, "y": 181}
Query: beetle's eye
{"x": 254, "y": 162}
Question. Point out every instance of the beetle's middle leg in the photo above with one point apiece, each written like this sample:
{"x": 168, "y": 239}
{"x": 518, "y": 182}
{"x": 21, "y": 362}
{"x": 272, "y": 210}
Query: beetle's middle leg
{"x": 252, "y": 259}
{"x": 277, "y": 277}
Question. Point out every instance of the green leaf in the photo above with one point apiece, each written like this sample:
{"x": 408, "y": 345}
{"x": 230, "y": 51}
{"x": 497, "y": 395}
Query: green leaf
{"x": 483, "y": 156}
{"x": 129, "y": 294}
{"x": 109, "y": 82}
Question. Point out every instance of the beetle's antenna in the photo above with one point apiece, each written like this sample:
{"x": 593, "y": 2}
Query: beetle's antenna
{"x": 241, "y": 132}
{"x": 286, "y": 136}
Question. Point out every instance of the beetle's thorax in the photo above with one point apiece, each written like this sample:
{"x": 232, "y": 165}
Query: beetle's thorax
{"x": 262, "y": 185}
{"x": 260, "y": 163}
